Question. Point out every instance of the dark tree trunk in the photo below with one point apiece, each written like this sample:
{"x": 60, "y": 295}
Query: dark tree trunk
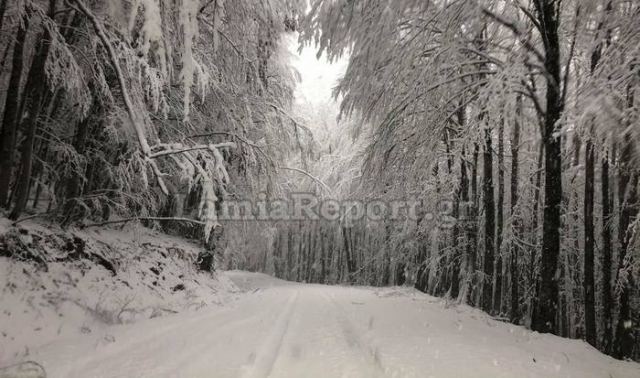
{"x": 11, "y": 115}
{"x": 546, "y": 303}
{"x": 455, "y": 268}
{"x": 628, "y": 209}
{"x": 3, "y": 9}
{"x": 515, "y": 226}
{"x": 346, "y": 235}
{"x": 323, "y": 255}
{"x": 497, "y": 298}
{"x": 36, "y": 97}
{"x": 312, "y": 252}
{"x": 466, "y": 219}
{"x": 277, "y": 250}
{"x": 461, "y": 197}
{"x": 473, "y": 228}
{"x": 72, "y": 209}
{"x": 422, "y": 276}
{"x": 589, "y": 234}
{"x": 489, "y": 222}
{"x": 40, "y": 175}
{"x": 207, "y": 257}
{"x": 535, "y": 237}
{"x": 607, "y": 301}
{"x": 589, "y": 280}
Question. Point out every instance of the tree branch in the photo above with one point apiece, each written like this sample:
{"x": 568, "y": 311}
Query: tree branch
{"x": 325, "y": 186}
{"x": 127, "y": 220}
{"x": 514, "y": 28}
{"x": 167, "y": 152}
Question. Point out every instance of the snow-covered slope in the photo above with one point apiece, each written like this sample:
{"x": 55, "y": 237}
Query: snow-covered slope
{"x": 90, "y": 280}
{"x": 278, "y": 329}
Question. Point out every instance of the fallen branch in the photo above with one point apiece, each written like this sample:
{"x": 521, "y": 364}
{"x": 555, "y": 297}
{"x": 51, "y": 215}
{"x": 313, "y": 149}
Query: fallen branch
{"x": 39, "y": 215}
{"x": 127, "y": 220}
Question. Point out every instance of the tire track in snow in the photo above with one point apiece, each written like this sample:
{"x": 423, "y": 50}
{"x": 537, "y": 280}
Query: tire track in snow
{"x": 136, "y": 354}
{"x": 270, "y": 349}
{"x": 355, "y": 338}
{"x": 139, "y": 358}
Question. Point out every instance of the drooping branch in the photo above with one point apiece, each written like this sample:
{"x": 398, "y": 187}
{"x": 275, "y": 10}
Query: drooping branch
{"x": 317, "y": 180}
{"x": 135, "y": 120}
{"x": 171, "y": 151}
{"x": 239, "y": 138}
{"x": 137, "y": 124}
{"x": 516, "y": 31}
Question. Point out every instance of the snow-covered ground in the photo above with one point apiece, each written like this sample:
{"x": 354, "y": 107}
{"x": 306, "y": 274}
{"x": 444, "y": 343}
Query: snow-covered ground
{"x": 80, "y": 296}
{"x": 279, "y": 329}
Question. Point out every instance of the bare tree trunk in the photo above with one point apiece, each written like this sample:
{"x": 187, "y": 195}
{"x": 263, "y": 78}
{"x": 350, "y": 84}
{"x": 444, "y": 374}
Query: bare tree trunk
{"x": 461, "y": 196}
{"x": 589, "y": 280}
{"x": 497, "y": 297}
{"x": 607, "y": 301}
{"x": 346, "y": 232}
{"x": 36, "y": 97}
{"x": 11, "y": 115}
{"x": 3, "y": 9}
{"x": 72, "y": 209}
{"x": 515, "y": 226}
{"x": 489, "y": 222}
{"x": 463, "y": 192}
{"x": 628, "y": 205}
{"x": 466, "y": 220}
{"x": 472, "y": 263}
{"x": 546, "y": 303}
{"x": 533, "y": 263}
{"x": 323, "y": 255}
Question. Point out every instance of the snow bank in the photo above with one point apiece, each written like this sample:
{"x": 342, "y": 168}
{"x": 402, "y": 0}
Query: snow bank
{"x": 82, "y": 281}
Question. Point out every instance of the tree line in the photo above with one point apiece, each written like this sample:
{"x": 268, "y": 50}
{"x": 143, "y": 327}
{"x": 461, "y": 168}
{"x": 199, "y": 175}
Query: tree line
{"x": 522, "y": 115}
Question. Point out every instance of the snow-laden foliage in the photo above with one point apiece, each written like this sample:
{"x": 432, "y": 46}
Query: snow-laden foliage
{"x": 490, "y": 107}
{"x": 154, "y": 102}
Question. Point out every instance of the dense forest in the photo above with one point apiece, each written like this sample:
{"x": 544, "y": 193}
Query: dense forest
{"x": 514, "y": 124}
{"x": 152, "y": 110}
{"x": 523, "y": 116}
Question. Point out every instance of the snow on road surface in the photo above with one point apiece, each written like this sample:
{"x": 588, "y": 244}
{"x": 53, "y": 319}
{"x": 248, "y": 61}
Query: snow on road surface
{"x": 279, "y": 329}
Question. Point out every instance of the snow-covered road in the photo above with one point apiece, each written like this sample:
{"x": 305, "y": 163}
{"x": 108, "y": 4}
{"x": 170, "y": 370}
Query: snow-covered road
{"x": 278, "y": 329}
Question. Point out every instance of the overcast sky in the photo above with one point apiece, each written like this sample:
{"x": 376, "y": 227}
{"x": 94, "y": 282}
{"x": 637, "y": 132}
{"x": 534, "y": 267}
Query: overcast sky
{"x": 318, "y": 76}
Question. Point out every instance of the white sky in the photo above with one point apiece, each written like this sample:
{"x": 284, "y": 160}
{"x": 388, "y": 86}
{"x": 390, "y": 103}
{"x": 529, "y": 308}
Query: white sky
{"x": 319, "y": 77}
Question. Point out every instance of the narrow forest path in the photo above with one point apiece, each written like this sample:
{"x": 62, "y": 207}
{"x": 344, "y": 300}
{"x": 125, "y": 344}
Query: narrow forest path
{"x": 280, "y": 329}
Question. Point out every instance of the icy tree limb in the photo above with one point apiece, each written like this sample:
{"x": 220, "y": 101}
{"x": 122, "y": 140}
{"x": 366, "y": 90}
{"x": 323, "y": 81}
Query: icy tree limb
{"x": 238, "y": 137}
{"x": 127, "y": 220}
{"x": 519, "y": 33}
{"x": 291, "y": 118}
{"x": 189, "y": 149}
{"x": 156, "y": 171}
{"x": 138, "y": 128}
{"x": 317, "y": 180}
